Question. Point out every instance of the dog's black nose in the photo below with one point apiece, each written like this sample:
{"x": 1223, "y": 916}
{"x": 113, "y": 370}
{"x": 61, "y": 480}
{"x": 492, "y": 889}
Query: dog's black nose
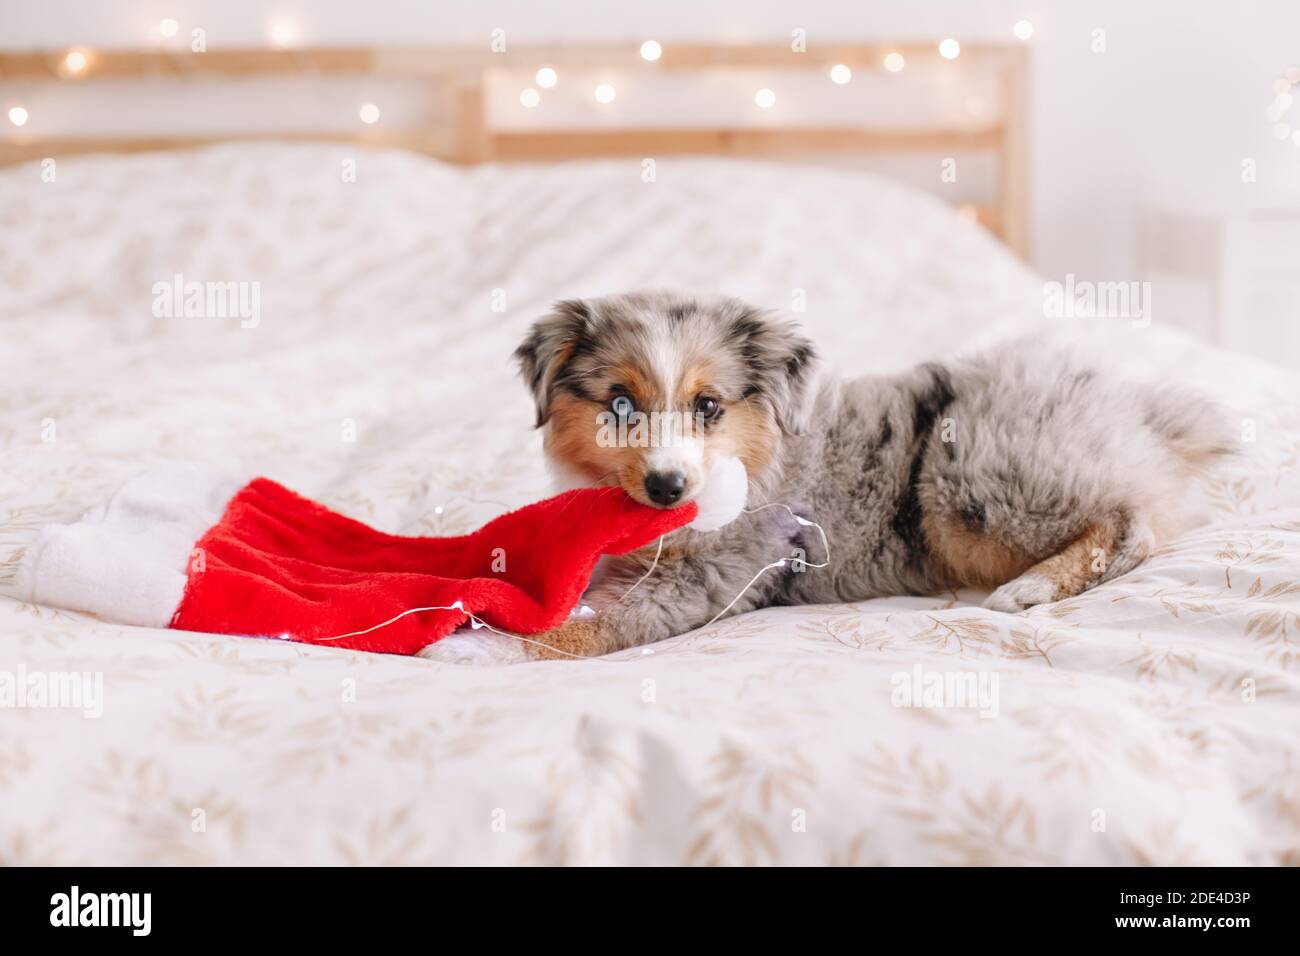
{"x": 665, "y": 487}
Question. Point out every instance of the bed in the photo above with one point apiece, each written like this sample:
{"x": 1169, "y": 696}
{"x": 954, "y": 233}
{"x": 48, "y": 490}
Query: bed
{"x": 1155, "y": 720}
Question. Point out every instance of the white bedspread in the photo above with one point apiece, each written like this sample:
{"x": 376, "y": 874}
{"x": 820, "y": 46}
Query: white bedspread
{"x": 1154, "y": 720}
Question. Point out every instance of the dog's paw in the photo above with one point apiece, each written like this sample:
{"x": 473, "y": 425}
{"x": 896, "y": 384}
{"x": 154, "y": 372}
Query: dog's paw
{"x": 481, "y": 648}
{"x": 1022, "y": 593}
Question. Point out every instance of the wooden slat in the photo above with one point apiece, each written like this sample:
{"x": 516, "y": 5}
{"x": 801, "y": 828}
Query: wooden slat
{"x": 429, "y": 143}
{"x": 1013, "y": 173}
{"x": 569, "y": 144}
{"x": 432, "y": 61}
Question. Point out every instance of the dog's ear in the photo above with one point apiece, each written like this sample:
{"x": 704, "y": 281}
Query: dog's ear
{"x": 547, "y": 347}
{"x": 783, "y": 365}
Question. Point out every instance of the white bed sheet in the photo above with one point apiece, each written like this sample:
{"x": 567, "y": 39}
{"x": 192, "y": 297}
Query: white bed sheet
{"x": 1154, "y": 720}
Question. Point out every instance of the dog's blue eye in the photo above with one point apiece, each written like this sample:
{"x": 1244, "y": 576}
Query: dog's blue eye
{"x": 707, "y": 407}
{"x": 621, "y": 406}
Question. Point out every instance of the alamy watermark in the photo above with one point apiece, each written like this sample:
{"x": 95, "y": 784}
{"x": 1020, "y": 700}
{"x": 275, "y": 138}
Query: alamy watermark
{"x": 648, "y": 429}
{"x": 975, "y": 690}
{"x": 179, "y": 299}
{"x": 1081, "y": 299}
{"x": 56, "y": 690}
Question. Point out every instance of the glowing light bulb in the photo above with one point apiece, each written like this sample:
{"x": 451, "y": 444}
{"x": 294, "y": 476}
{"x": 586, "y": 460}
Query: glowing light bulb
{"x": 168, "y": 27}
{"x": 841, "y": 74}
{"x": 950, "y": 49}
{"x": 75, "y": 61}
{"x": 546, "y": 77}
{"x": 605, "y": 93}
{"x": 369, "y": 113}
{"x": 765, "y": 98}
{"x": 894, "y": 62}
{"x": 283, "y": 33}
{"x": 650, "y": 50}
{"x": 1023, "y": 30}
{"x": 18, "y": 116}
{"x": 530, "y": 98}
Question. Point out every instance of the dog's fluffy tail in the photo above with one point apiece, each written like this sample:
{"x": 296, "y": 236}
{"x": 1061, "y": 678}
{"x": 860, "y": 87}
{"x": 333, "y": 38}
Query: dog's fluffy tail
{"x": 1197, "y": 429}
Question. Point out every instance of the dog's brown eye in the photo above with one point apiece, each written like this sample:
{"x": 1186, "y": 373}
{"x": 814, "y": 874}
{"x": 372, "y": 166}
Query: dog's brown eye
{"x": 707, "y": 407}
{"x": 621, "y": 406}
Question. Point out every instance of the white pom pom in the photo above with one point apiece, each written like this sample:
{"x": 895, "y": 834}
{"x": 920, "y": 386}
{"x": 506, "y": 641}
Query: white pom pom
{"x": 723, "y": 497}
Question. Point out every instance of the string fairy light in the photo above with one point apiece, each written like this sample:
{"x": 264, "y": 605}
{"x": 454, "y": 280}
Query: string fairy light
{"x": 894, "y": 62}
{"x": 651, "y": 51}
{"x": 546, "y": 77}
{"x": 841, "y": 74}
{"x": 950, "y": 49}
{"x": 18, "y": 116}
{"x": 604, "y": 93}
{"x": 477, "y": 623}
{"x": 1283, "y": 100}
{"x": 765, "y": 98}
{"x": 284, "y": 33}
{"x": 529, "y": 98}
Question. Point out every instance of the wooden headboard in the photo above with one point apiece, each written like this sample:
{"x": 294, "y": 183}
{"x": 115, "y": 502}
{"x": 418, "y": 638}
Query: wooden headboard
{"x": 466, "y": 133}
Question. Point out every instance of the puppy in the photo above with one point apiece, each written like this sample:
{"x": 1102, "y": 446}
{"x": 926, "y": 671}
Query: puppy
{"x": 1017, "y": 469}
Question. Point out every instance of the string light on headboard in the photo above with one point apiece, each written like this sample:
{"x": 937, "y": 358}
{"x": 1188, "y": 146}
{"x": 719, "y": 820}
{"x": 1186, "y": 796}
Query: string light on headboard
{"x": 546, "y": 77}
{"x": 283, "y": 34}
{"x": 604, "y": 93}
{"x": 529, "y": 98}
{"x": 1023, "y": 30}
{"x": 651, "y": 51}
{"x": 1283, "y": 100}
{"x": 369, "y": 113}
{"x": 18, "y": 116}
{"x": 950, "y": 49}
{"x": 841, "y": 74}
{"x": 894, "y": 62}
{"x": 75, "y": 62}
{"x": 168, "y": 27}
{"x": 765, "y": 98}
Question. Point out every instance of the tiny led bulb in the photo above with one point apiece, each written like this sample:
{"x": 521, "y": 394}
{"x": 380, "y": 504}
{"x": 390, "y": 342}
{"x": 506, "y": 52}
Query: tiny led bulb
{"x": 1023, "y": 30}
{"x": 765, "y": 98}
{"x": 283, "y": 33}
{"x": 18, "y": 116}
{"x": 369, "y": 113}
{"x": 530, "y": 98}
{"x": 950, "y": 49}
{"x": 841, "y": 74}
{"x": 546, "y": 77}
{"x": 650, "y": 50}
{"x": 894, "y": 62}
{"x": 75, "y": 61}
{"x": 168, "y": 27}
{"x": 604, "y": 93}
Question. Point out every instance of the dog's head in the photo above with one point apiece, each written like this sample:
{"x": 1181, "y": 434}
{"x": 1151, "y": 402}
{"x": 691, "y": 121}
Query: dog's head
{"x": 647, "y": 391}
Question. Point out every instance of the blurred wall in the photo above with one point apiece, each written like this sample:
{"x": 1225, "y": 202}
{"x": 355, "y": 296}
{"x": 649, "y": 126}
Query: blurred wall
{"x": 1165, "y": 116}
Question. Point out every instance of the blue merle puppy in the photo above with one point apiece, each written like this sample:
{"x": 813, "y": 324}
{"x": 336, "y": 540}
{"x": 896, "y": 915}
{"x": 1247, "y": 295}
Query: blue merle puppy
{"x": 1018, "y": 470}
